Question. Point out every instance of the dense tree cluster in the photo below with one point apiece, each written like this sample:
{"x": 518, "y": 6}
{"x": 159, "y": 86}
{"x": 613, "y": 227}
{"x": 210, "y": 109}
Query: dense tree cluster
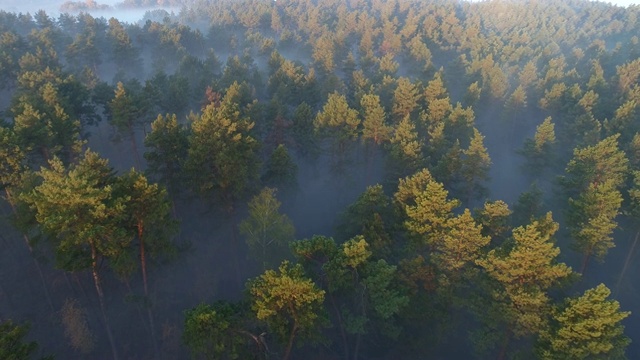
{"x": 233, "y": 110}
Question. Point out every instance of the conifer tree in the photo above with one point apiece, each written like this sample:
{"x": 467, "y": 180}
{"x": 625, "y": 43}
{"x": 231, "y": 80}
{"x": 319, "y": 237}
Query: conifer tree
{"x": 475, "y": 165}
{"x": 77, "y": 208}
{"x": 167, "y": 145}
{"x": 288, "y": 302}
{"x": 585, "y": 327}
{"x": 522, "y": 271}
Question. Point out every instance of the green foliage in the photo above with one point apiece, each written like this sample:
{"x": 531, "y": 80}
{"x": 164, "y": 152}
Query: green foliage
{"x": 587, "y": 327}
{"x": 596, "y": 164}
{"x": 592, "y": 218}
{"x": 428, "y": 218}
{"x": 366, "y": 289}
{"x": 524, "y": 270}
{"x": 213, "y": 331}
{"x": 405, "y": 98}
{"x": 370, "y": 215}
{"x": 338, "y": 121}
{"x": 77, "y": 208}
{"x": 280, "y": 170}
{"x": 529, "y": 206}
{"x": 267, "y": 232}
{"x": 303, "y": 130}
{"x": 222, "y": 153}
{"x": 12, "y": 159}
{"x": 461, "y": 245}
{"x": 167, "y": 145}
{"x": 288, "y": 302}
{"x": 47, "y": 112}
{"x": 12, "y": 344}
{"x": 539, "y": 150}
{"x": 147, "y": 215}
{"x": 475, "y": 165}
{"x": 374, "y": 128}
{"x": 495, "y": 218}
{"x": 405, "y": 149}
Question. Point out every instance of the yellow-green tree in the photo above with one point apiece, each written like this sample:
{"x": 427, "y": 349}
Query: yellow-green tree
{"x": 520, "y": 274}
{"x": 288, "y": 302}
{"x": 267, "y": 231}
{"x": 78, "y": 209}
{"x": 587, "y": 327}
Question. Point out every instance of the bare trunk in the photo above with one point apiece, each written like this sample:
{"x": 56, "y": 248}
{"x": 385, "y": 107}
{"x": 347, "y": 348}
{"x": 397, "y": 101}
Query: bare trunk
{"x": 96, "y": 281}
{"x": 627, "y": 261}
{"x": 35, "y": 261}
{"x": 235, "y": 237}
{"x": 84, "y": 293}
{"x": 343, "y": 335}
{"x": 134, "y": 146}
{"x": 585, "y": 261}
{"x": 292, "y": 336}
{"x": 143, "y": 266}
{"x": 505, "y": 345}
{"x": 143, "y": 260}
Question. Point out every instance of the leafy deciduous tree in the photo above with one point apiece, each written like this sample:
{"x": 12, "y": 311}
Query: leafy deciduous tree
{"x": 267, "y": 231}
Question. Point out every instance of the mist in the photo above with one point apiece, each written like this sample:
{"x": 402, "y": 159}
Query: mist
{"x": 484, "y": 123}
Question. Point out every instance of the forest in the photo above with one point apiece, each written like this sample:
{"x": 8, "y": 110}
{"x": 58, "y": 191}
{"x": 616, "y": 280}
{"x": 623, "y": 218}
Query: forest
{"x": 320, "y": 179}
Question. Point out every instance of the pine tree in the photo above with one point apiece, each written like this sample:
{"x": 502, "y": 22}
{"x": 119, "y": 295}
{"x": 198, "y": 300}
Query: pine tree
{"x": 592, "y": 220}
{"x": 585, "y": 327}
{"x": 596, "y": 164}
{"x": 523, "y": 271}
{"x": 405, "y": 149}
{"x": 475, "y": 165}
{"x": 280, "y": 170}
{"x": 538, "y": 150}
{"x": 167, "y": 145}
{"x": 288, "y": 302}
{"x": 222, "y": 157}
{"x": 77, "y": 208}
{"x": 125, "y": 117}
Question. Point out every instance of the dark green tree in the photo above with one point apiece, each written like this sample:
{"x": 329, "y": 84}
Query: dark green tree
{"x": 222, "y": 157}
{"x": 167, "y": 146}
{"x": 125, "y": 117}
{"x": 12, "y": 344}
{"x": 280, "y": 171}
{"x": 215, "y": 332}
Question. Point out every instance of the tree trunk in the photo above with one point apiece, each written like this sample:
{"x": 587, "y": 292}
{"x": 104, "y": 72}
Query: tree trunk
{"x": 505, "y": 345}
{"x": 143, "y": 260}
{"x": 345, "y": 343}
{"x": 234, "y": 233}
{"x": 134, "y": 146}
{"x": 626, "y": 262}
{"x": 143, "y": 266}
{"x": 292, "y": 336}
{"x": 585, "y": 261}
{"x": 356, "y": 350}
{"x": 28, "y": 243}
{"x": 96, "y": 281}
